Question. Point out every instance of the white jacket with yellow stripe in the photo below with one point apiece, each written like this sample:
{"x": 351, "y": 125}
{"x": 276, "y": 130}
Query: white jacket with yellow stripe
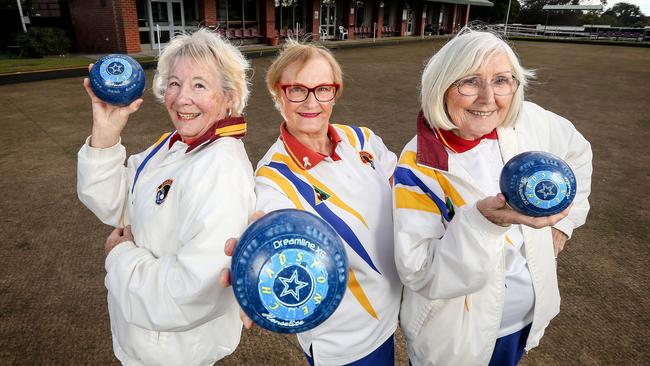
{"x": 349, "y": 189}
{"x": 451, "y": 258}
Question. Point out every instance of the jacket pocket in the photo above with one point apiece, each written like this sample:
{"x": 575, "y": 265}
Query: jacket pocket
{"x": 428, "y": 312}
{"x": 416, "y": 312}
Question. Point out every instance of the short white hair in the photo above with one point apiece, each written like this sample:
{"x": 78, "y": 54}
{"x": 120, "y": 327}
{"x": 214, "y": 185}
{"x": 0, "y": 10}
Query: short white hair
{"x": 209, "y": 49}
{"x": 461, "y": 56}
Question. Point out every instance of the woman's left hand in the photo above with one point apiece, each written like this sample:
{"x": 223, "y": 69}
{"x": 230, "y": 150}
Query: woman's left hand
{"x": 500, "y": 213}
{"x": 559, "y": 239}
{"x": 117, "y": 237}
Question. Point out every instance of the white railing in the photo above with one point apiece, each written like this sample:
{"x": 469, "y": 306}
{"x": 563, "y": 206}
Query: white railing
{"x": 567, "y": 32}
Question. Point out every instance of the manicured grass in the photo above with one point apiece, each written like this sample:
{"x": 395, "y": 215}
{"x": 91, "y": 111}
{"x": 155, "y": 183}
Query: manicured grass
{"x": 10, "y": 65}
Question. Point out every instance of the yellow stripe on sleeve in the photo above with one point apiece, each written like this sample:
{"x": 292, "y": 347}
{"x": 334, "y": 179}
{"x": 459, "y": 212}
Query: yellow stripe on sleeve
{"x": 352, "y": 138}
{"x": 358, "y": 293}
{"x": 286, "y": 187}
{"x": 164, "y": 136}
{"x": 408, "y": 158}
{"x": 405, "y": 198}
{"x": 366, "y": 133}
{"x": 334, "y": 199}
{"x": 449, "y": 190}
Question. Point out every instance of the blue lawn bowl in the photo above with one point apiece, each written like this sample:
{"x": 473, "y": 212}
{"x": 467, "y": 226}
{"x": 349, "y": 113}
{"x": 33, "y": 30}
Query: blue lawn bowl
{"x": 538, "y": 183}
{"x": 289, "y": 271}
{"x": 117, "y": 79}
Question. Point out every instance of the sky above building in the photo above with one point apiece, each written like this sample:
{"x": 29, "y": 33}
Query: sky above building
{"x": 643, "y": 4}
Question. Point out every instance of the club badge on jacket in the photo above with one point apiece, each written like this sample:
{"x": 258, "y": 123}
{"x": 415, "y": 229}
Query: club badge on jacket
{"x": 163, "y": 190}
{"x": 367, "y": 158}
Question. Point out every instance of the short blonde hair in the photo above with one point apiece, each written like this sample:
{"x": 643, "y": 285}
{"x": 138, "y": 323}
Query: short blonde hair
{"x": 461, "y": 56}
{"x": 295, "y": 51}
{"x": 211, "y": 50}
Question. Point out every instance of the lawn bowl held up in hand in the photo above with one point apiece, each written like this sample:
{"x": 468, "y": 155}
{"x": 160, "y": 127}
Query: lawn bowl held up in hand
{"x": 289, "y": 271}
{"x": 538, "y": 183}
{"x": 117, "y": 79}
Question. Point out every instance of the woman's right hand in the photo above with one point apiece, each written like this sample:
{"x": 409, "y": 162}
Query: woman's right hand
{"x": 496, "y": 210}
{"x": 224, "y": 278}
{"x": 108, "y": 120}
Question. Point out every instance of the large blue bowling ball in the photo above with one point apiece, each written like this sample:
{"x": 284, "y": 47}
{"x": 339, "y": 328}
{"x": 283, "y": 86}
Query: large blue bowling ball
{"x": 117, "y": 79}
{"x": 538, "y": 183}
{"x": 289, "y": 271}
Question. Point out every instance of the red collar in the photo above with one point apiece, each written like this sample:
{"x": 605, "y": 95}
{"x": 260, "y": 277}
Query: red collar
{"x": 431, "y": 144}
{"x": 431, "y": 152}
{"x": 231, "y": 127}
{"x": 460, "y": 145}
{"x": 303, "y": 156}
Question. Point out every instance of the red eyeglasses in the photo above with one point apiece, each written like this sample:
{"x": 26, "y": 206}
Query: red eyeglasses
{"x": 298, "y": 93}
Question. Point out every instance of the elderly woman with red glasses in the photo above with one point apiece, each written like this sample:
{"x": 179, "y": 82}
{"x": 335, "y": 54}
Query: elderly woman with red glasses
{"x": 480, "y": 279}
{"x": 347, "y": 171}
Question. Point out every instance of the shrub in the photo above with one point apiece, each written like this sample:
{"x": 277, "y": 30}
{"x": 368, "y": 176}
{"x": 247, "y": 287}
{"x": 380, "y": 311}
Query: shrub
{"x": 39, "y": 42}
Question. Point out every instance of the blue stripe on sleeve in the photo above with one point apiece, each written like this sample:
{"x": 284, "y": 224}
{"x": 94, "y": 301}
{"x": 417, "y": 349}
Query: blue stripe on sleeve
{"x": 146, "y": 160}
{"x": 325, "y": 213}
{"x": 406, "y": 177}
{"x": 359, "y": 133}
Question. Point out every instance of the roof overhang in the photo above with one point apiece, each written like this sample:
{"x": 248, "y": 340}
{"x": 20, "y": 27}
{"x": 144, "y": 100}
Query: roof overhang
{"x": 465, "y": 2}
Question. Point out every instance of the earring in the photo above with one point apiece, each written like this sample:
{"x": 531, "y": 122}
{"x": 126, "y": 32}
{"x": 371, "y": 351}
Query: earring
{"x": 229, "y": 112}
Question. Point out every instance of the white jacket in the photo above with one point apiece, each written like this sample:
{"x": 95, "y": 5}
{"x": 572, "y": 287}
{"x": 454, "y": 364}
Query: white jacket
{"x": 453, "y": 268}
{"x": 164, "y": 299}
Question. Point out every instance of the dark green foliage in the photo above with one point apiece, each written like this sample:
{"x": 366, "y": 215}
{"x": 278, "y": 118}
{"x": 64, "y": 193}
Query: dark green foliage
{"x": 39, "y": 42}
{"x": 497, "y": 14}
{"x": 620, "y": 15}
{"x": 532, "y": 13}
{"x": 625, "y": 15}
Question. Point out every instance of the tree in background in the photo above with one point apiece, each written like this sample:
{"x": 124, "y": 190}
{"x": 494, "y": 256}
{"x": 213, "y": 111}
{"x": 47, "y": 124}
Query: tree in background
{"x": 532, "y": 13}
{"x": 592, "y": 17}
{"x": 624, "y": 15}
{"x": 497, "y": 14}
{"x": 619, "y": 15}
{"x": 9, "y": 22}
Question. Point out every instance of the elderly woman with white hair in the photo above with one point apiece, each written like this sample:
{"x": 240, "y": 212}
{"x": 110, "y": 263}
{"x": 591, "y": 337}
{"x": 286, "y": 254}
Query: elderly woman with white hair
{"x": 480, "y": 279}
{"x": 173, "y": 206}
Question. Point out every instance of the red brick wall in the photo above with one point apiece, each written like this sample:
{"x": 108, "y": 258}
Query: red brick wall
{"x": 349, "y": 19}
{"x": 208, "y": 13}
{"x": 313, "y": 13}
{"x": 267, "y": 19}
{"x": 127, "y": 26}
{"x": 94, "y": 25}
{"x": 105, "y": 26}
{"x": 378, "y": 13}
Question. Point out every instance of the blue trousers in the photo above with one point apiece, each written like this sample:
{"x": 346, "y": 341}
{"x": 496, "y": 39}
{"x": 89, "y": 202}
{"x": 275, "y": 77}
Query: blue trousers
{"x": 509, "y": 349}
{"x": 384, "y": 355}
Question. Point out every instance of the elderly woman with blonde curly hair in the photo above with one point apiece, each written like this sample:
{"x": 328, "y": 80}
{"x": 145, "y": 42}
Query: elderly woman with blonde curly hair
{"x": 173, "y": 206}
{"x": 480, "y": 279}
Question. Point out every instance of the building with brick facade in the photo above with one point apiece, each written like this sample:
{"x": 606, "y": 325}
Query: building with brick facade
{"x": 129, "y": 26}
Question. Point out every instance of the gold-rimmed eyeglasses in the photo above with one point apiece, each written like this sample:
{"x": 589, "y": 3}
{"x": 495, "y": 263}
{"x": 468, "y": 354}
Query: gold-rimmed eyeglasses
{"x": 501, "y": 85}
